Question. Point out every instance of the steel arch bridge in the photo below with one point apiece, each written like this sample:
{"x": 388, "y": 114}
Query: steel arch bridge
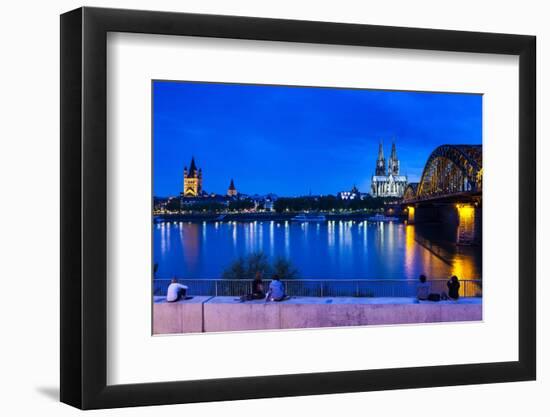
{"x": 450, "y": 171}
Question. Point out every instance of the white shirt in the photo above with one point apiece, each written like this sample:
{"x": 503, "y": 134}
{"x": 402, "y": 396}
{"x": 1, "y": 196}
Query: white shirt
{"x": 172, "y": 292}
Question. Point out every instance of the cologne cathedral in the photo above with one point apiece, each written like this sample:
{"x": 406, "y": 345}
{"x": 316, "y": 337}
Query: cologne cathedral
{"x": 388, "y": 183}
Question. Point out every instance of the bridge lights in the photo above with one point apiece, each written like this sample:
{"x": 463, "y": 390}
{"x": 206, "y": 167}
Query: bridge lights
{"x": 466, "y": 224}
{"x": 410, "y": 214}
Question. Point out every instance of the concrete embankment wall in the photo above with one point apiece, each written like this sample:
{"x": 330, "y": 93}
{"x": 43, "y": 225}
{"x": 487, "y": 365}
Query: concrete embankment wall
{"x": 181, "y": 317}
{"x": 221, "y": 314}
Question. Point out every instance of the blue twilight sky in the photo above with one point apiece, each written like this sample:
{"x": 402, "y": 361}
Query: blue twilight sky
{"x": 293, "y": 140}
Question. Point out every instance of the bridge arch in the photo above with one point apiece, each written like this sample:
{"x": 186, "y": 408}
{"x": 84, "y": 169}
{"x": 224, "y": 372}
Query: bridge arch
{"x": 410, "y": 191}
{"x": 451, "y": 169}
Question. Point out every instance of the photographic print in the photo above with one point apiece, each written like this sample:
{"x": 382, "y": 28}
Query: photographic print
{"x": 290, "y": 207}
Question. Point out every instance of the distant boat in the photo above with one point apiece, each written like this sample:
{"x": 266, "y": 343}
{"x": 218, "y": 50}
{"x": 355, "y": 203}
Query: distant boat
{"x": 306, "y": 217}
{"x": 157, "y": 219}
{"x": 382, "y": 218}
{"x": 220, "y": 218}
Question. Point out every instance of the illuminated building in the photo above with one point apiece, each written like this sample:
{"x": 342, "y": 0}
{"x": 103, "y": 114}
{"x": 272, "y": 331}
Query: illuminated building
{"x": 192, "y": 180}
{"x": 387, "y": 183}
{"x": 354, "y": 194}
{"x": 232, "y": 191}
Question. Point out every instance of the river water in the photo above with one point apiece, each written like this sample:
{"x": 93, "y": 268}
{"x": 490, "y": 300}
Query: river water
{"x": 329, "y": 250}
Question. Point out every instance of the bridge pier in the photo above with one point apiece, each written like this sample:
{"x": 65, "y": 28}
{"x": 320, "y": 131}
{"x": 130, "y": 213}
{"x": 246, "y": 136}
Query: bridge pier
{"x": 411, "y": 211}
{"x": 462, "y": 222}
{"x": 469, "y": 224}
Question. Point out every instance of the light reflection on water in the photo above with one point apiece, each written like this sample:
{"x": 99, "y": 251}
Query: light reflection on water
{"x": 331, "y": 250}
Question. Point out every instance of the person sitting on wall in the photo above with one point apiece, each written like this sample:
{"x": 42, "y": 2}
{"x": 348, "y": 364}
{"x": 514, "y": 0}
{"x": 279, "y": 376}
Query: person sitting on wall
{"x": 422, "y": 288}
{"x": 276, "y": 290}
{"x": 453, "y": 285}
{"x": 176, "y": 291}
{"x": 258, "y": 292}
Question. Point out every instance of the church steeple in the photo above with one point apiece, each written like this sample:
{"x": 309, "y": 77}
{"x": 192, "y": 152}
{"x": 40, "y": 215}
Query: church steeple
{"x": 393, "y": 166}
{"x": 192, "y": 167}
{"x": 381, "y": 161}
{"x": 232, "y": 190}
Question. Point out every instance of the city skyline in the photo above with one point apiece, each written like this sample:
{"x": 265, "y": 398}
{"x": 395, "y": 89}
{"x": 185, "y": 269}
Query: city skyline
{"x": 294, "y": 141}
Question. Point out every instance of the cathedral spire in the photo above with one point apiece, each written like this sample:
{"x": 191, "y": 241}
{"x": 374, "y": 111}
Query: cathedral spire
{"x": 393, "y": 165}
{"x": 380, "y": 151}
{"x": 381, "y": 161}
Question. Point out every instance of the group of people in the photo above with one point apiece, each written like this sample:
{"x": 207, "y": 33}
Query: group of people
{"x": 275, "y": 291}
{"x": 423, "y": 290}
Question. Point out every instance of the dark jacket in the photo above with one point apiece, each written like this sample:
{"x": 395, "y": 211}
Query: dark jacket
{"x": 258, "y": 288}
{"x": 453, "y": 289}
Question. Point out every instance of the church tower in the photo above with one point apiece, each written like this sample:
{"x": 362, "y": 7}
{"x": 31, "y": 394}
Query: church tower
{"x": 232, "y": 191}
{"x": 192, "y": 180}
{"x": 393, "y": 165}
{"x": 380, "y": 162}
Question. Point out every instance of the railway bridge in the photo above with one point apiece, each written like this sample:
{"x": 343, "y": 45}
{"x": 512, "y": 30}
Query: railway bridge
{"x": 449, "y": 192}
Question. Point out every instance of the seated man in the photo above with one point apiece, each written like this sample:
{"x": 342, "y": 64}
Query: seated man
{"x": 176, "y": 291}
{"x": 454, "y": 285}
{"x": 276, "y": 290}
{"x": 422, "y": 288}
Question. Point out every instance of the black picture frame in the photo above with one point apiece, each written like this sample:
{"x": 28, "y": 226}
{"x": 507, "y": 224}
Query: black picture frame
{"x": 84, "y": 207}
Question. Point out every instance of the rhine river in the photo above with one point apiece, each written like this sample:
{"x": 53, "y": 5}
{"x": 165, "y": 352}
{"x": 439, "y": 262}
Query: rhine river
{"x": 328, "y": 250}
